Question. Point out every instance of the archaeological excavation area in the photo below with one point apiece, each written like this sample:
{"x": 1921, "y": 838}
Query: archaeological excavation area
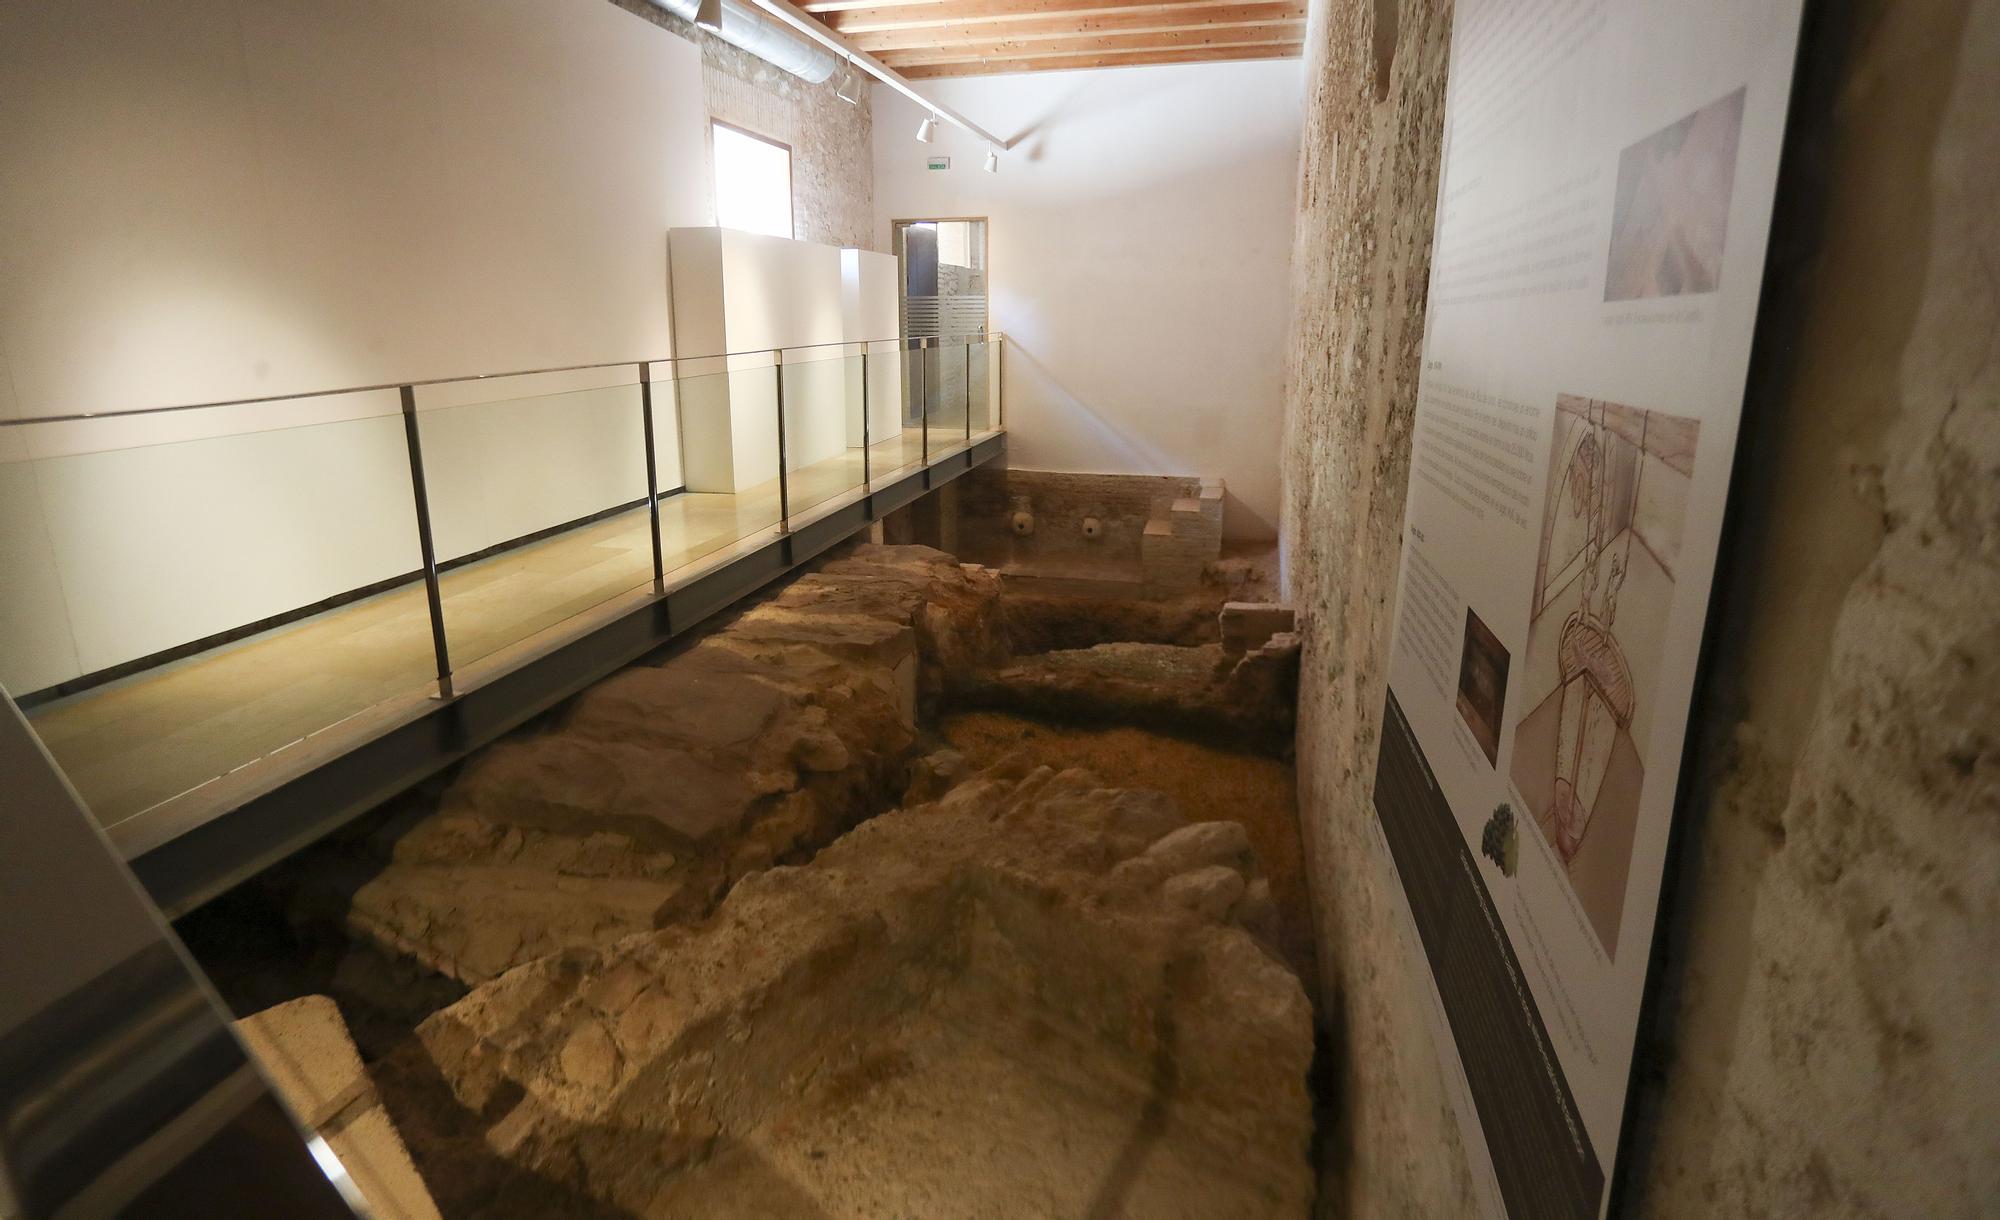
{"x": 999, "y": 610}
{"x": 910, "y": 887}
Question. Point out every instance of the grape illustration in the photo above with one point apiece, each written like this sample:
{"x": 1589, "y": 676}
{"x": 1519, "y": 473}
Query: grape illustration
{"x": 1499, "y": 840}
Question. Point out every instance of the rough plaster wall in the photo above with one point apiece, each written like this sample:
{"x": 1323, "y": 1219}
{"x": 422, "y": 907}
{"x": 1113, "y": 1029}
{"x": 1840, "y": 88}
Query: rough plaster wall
{"x": 833, "y": 152}
{"x": 1361, "y": 268}
{"x": 1829, "y": 993}
{"x": 1832, "y": 983}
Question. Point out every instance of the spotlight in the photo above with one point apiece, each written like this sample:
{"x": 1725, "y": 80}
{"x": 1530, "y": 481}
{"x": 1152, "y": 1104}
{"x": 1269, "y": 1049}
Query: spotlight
{"x": 849, "y": 90}
{"x": 708, "y": 15}
{"x": 927, "y": 130}
{"x": 992, "y": 160}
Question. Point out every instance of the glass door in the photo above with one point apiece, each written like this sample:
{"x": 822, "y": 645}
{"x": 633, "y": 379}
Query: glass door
{"x": 942, "y": 297}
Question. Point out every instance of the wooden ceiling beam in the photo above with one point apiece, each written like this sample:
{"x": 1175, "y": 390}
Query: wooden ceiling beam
{"x": 1111, "y": 59}
{"x": 876, "y": 18}
{"x": 819, "y": 8}
{"x": 1276, "y": 33}
{"x": 1205, "y": 17}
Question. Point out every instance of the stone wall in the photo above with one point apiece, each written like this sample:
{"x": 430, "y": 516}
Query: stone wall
{"x": 1360, "y": 271}
{"x": 833, "y": 165}
{"x": 1060, "y": 502}
{"x": 1828, "y": 1047}
{"x": 1824, "y": 1046}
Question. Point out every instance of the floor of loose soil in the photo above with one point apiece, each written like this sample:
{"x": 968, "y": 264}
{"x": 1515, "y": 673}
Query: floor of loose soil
{"x": 1257, "y": 559}
{"x": 1208, "y": 784}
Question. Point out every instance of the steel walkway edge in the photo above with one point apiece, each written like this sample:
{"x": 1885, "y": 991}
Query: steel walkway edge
{"x": 188, "y": 870}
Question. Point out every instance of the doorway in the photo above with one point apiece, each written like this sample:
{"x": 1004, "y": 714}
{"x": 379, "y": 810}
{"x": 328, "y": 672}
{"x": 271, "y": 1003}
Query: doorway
{"x": 941, "y": 295}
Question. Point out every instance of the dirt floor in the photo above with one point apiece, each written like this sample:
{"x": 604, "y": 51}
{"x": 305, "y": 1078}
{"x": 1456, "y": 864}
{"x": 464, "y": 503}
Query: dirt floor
{"x": 1250, "y": 570}
{"x": 1207, "y": 784}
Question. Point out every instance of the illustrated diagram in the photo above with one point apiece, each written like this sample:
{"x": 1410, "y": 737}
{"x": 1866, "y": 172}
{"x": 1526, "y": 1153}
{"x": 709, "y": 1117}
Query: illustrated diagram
{"x": 1604, "y": 586}
{"x": 1672, "y": 209}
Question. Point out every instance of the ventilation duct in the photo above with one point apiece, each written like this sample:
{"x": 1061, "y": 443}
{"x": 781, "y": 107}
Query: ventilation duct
{"x": 752, "y": 31}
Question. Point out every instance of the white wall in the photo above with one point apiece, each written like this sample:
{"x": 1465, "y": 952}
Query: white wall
{"x": 235, "y": 198}
{"x": 232, "y": 198}
{"x": 1140, "y": 241}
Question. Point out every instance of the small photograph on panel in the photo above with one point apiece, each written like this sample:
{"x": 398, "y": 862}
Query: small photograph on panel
{"x": 1482, "y": 684}
{"x": 1672, "y": 212}
{"x": 1612, "y": 518}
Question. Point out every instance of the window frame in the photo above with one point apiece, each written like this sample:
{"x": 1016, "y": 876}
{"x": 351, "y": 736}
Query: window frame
{"x": 715, "y": 176}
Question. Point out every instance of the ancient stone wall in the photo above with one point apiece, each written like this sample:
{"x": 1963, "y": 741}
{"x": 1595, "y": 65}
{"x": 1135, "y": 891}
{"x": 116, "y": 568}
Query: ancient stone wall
{"x": 1360, "y": 268}
{"x": 833, "y": 165}
{"x": 1823, "y": 1047}
{"x": 1828, "y": 1045}
{"x": 1060, "y": 502}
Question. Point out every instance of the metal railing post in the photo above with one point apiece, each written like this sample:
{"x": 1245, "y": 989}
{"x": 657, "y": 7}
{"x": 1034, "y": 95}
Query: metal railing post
{"x": 652, "y": 475}
{"x": 784, "y": 487}
{"x": 967, "y": 396}
{"x": 924, "y": 379}
{"x": 428, "y": 549}
{"x": 867, "y": 477}
{"x": 997, "y": 364}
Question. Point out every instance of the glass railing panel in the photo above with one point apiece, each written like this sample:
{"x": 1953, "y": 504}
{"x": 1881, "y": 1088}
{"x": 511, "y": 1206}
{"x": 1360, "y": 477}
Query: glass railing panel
{"x": 949, "y": 385}
{"x": 824, "y": 442}
{"x": 895, "y": 405}
{"x": 537, "y": 500}
{"x": 982, "y": 405}
{"x": 727, "y": 420}
{"x": 190, "y": 591}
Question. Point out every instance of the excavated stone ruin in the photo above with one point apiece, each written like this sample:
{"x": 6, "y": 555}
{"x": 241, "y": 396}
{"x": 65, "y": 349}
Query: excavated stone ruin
{"x": 657, "y": 788}
{"x": 1245, "y": 698}
{"x": 670, "y": 959}
{"x": 1033, "y": 997}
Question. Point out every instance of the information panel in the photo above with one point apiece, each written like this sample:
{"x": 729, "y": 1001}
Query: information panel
{"x": 1604, "y": 206}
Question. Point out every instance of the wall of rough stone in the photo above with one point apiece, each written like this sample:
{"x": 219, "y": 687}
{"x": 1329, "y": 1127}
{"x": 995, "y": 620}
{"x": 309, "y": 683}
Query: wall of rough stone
{"x": 1360, "y": 271}
{"x": 1828, "y": 1047}
{"x": 1824, "y": 1043}
{"x": 1122, "y": 504}
{"x": 833, "y": 157}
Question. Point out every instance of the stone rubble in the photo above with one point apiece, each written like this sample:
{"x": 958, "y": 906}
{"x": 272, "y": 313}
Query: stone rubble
{"x": 303, "y": 1050}
{"x": 1023, "y": 993}
{"x": 1209, "y": 693}
{"x": 1031, "y": 997}
{"x": 658, "y": 787}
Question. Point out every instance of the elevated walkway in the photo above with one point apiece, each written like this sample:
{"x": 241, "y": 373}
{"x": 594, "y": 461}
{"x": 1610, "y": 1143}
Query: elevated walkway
{"x": 208, "y": 761}
{"x": 192, "y": 846}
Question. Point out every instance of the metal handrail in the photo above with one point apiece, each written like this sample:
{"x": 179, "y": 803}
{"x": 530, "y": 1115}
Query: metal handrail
{"x": 919, "y": 341}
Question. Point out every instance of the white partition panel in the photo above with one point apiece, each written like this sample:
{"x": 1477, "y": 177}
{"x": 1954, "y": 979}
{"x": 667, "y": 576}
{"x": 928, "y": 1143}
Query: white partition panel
{"x": 868, "y": 305}
{"x": 746, "y": 293}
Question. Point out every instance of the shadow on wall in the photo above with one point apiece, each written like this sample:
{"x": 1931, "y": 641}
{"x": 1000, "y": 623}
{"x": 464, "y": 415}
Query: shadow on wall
{"x": 1084, "y": 100}
{"x": 1066, "y": 424}
{"x": 1145, "y": 350}
{"x": 1130, "y": 454}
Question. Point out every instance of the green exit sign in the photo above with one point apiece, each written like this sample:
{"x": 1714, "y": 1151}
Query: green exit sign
{"x": 938, "y": 162}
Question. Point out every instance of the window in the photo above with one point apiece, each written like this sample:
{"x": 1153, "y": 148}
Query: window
{"x": 753, "y": 182}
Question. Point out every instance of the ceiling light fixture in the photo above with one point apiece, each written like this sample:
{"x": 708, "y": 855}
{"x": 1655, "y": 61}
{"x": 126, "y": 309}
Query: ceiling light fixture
{"x": 927, "y": 130}
{"x": 708, "y": 15}
{"x": 992, "y": 160}
{"x": 849, "y": 90}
